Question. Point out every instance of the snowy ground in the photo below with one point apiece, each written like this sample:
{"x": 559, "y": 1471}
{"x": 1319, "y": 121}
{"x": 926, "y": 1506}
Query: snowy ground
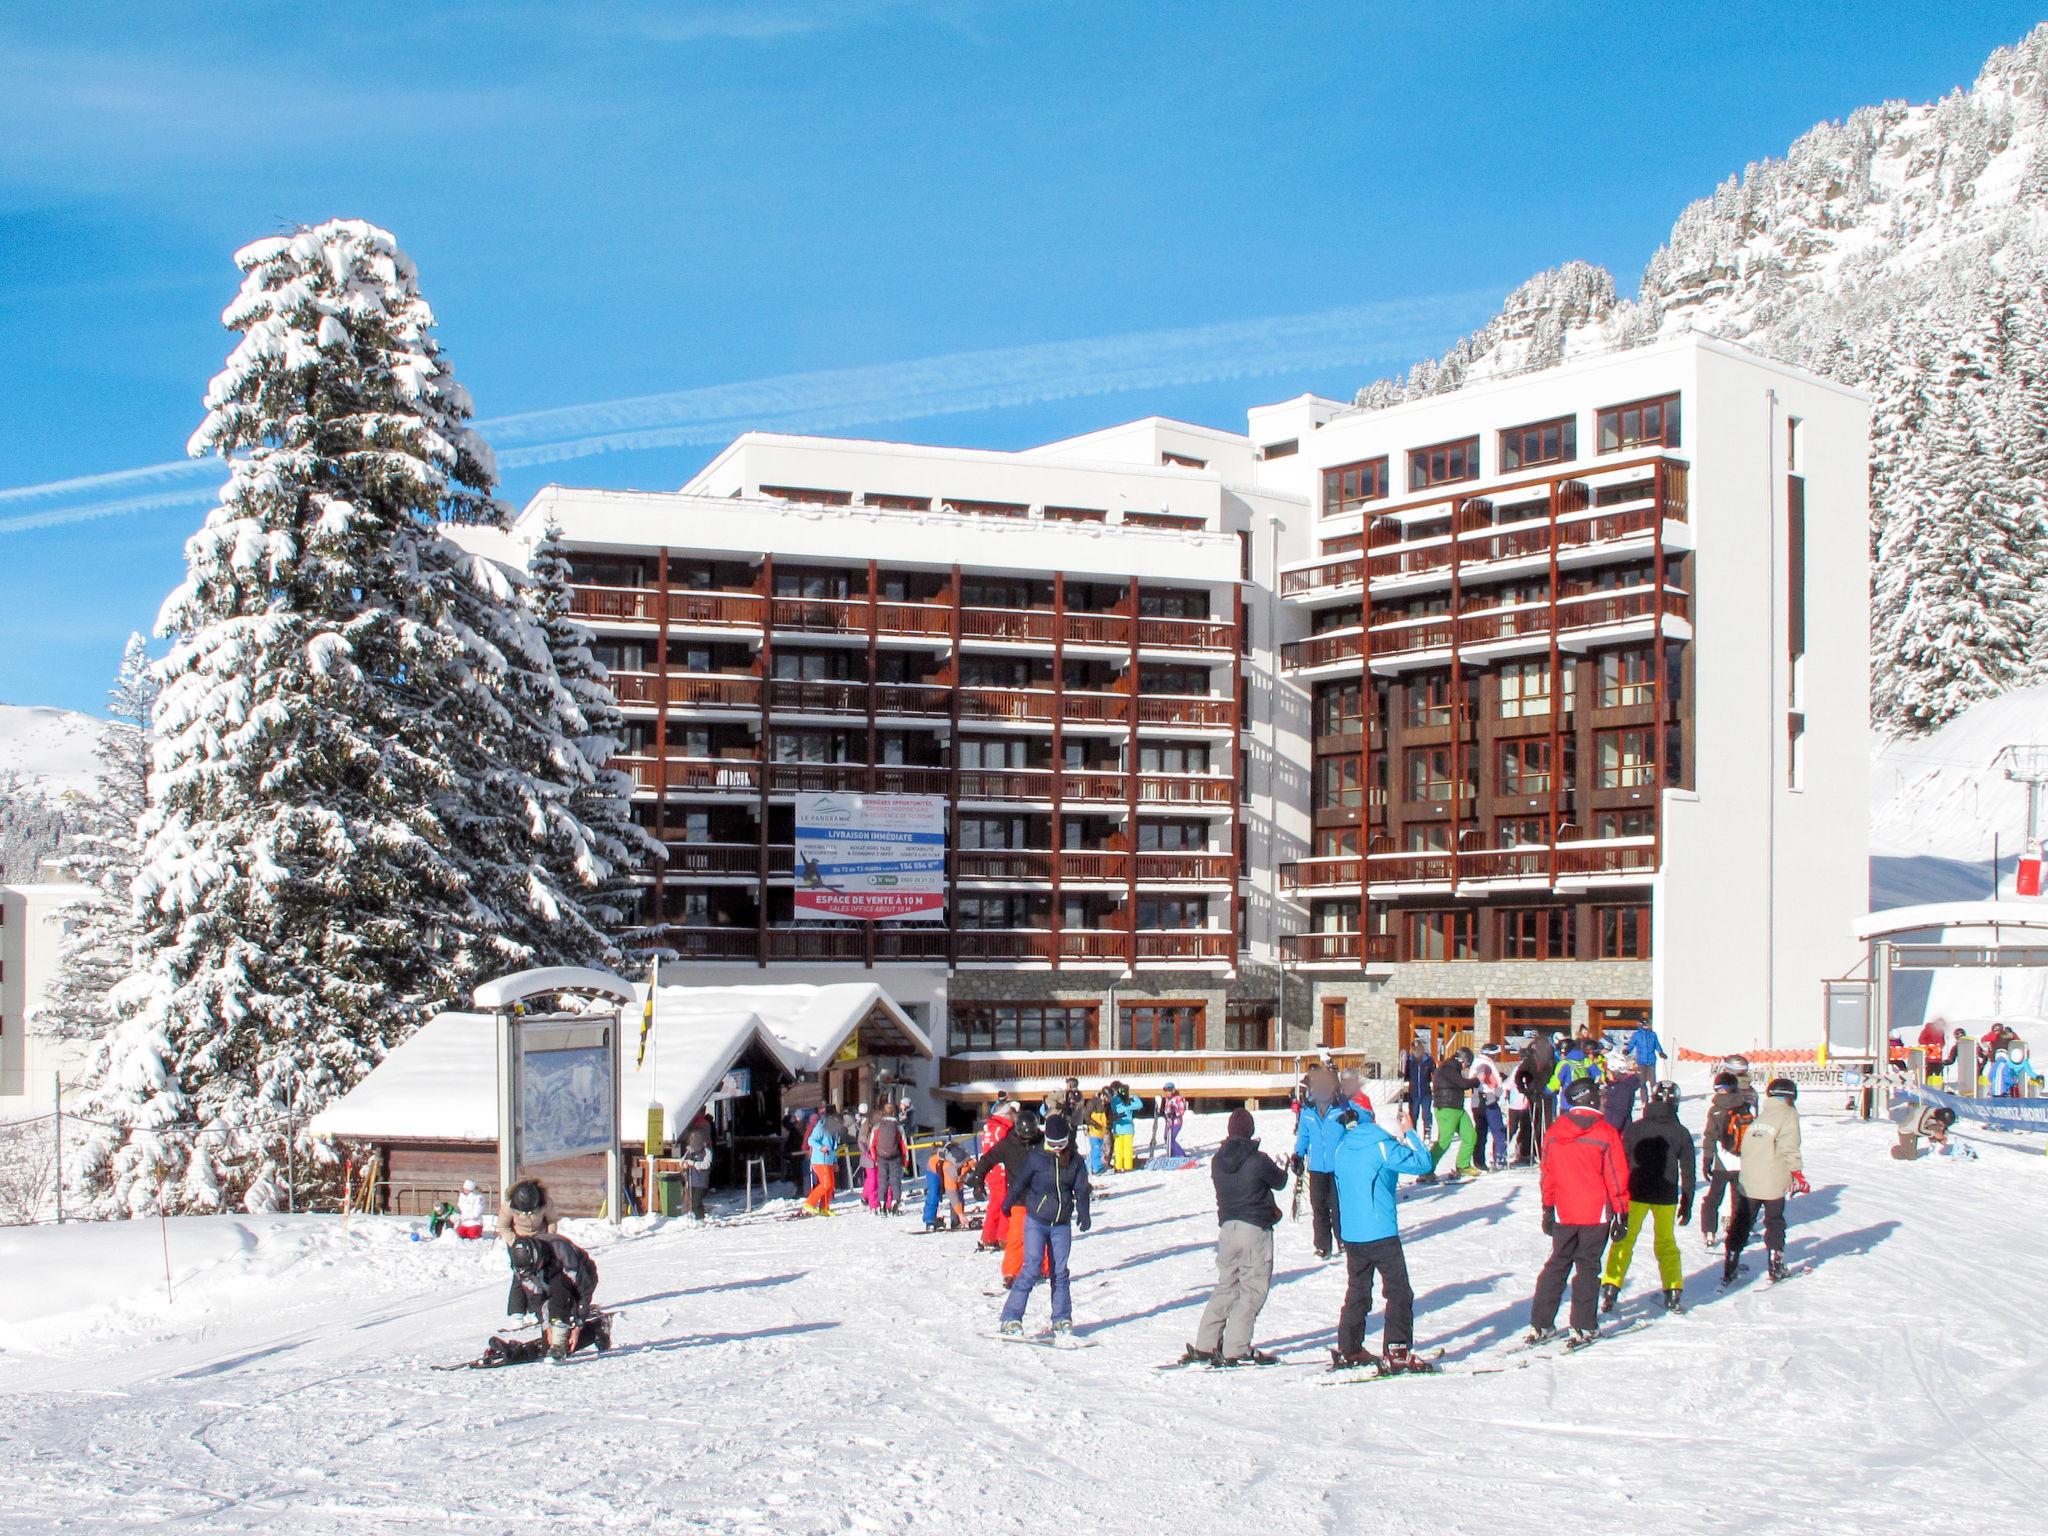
{"x": 831, "y": 1376}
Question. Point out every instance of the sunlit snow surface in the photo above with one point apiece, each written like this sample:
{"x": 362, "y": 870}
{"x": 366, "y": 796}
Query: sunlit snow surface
{"x": 832, "y": 1376}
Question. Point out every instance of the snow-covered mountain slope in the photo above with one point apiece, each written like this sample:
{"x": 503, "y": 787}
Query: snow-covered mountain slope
{"x": 834, "y": 1376}
{"x": 1946, "y": 795}
{"x": 49, "y": 749}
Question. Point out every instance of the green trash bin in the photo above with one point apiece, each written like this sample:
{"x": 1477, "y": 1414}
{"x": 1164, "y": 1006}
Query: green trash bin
{"x": 668, "y": 1194}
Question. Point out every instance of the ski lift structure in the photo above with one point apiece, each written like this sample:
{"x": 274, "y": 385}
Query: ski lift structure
{"x": 558, "y": 1070}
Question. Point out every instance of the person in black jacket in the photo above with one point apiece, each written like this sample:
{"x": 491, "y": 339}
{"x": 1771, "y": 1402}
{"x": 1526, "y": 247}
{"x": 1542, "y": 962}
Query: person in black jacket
{"x": 1541, "y": 1063}
{"x": 1660, "y": 1187}
{"x": 559, "y": 1282}
{"x": 1733, "y": 1099}
{"x": 1053, "y": 1190}
{"x": 1246, "y": 1214}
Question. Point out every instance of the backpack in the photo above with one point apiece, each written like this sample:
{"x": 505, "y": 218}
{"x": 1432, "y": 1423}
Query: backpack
{"x": 1740, "y": 1119}
{"x": 886, "y": 1144}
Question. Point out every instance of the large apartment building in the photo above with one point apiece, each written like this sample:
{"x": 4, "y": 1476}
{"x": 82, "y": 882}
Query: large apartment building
{"x": 1537, "y": 702}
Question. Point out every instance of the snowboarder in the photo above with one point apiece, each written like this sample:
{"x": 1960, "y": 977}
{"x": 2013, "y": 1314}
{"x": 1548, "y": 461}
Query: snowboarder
{"x": 1369, "y": 1167}
{"x": 1729, "y": 1113}
{"x": 1053, "y": 1197}
{"x": 1585, "y": 1202}
{"x": 1315, "y": 1154}
{"x": 1123, "y": 1116}
{"x": 824, "y": 1146}
{"x": 1771, "y": 1170}
{"x": 558, "y": 1281}
{"x": 1175, "y": 1109}
{"x": 1449, "y": 1089}
{"x": 1660, "y": 1187}
{"x": 1246, "y": 1214}
{"x": 696, "y": 1162}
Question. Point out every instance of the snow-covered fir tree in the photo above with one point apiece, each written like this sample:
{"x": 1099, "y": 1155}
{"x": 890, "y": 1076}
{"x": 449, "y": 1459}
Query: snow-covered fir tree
{"x": 99, "y": 944}
{"x": 312, "y": 882}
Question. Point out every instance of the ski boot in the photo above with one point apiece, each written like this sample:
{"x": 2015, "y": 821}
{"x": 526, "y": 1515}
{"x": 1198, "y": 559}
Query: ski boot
{"x": 1731, "y": 1266}
{"x": 1777, "y": 1266}
{"x": 1340, "y": 1361}
{"x": 1581, "y": 1337}
{"x": 601, "y": 1334}
{"x": 1010, "y": 1328}
{"x": 1609, "y": 1295}
{"x": 1194, "y": 1356}
{"x": 1425, "y": 1178}
{"x": 1063, "y": 1335}
{"x": 1674, "y": 1300}
{"x": 1539, "y": 1336}
{"x": 558, "y": 1343}
{"x": 1400, "y": 1360}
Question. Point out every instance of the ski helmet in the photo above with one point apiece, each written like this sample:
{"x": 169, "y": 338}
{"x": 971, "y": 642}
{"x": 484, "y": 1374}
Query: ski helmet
{"x": 1945, "y": 1115}
{"x": 527, "y": 1196}
{"x": 1581, "y": 1093}
{"x": 525, "y": 1255}
{"x": 1783, "y": 1088}
{"x": 1738, "y": 1064}
{"x": 1169, "y": 1087}
{"x": 1464, "y": 1055}
{"x": 1665, "y": 1093}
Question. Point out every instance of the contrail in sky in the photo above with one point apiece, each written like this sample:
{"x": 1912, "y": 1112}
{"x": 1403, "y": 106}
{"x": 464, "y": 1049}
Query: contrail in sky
{"x": 1360, "y": 335}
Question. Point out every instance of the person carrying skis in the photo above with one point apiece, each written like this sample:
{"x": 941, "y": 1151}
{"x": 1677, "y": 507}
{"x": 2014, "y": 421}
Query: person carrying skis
{"x": 1660, "y": 1187}
{"x": 1369, "y": 1167}
{"x": 1315, "y": 1154}
{"x": 1729, "y": 1113}
{"x": 1646, "y": 1050}
{"x": 558, "y": 1282}
{"x": 1418, "y": 1071}
{"x": 1053, "y": 1193}
{"x": 1123, "y": 1117}
{"x": 1771, "y": 1170}
{"x": 1585, "y": 1201}
{"x": 1246, "y": 1214}
{"x": 1175, "y": 1108}
{"x": 1453, "y": 1123}
{"x": 824, "y": 1148}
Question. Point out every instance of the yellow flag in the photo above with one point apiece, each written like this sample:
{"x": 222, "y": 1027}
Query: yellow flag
{"x": 647, "y": 1012}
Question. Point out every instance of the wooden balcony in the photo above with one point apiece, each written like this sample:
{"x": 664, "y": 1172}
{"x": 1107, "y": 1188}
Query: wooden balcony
{"x": 1339, "y": 948}
{"x": 1184, "y": 789}
{"x": 1606, "y": 858}
{"x": 703, "y": 690}
{"x": 1186, "y": 634}
{"x": 715, "y": 610}
{"x": 711, "y": 943}
{"x": 1185, "y": 709}
{"x": 693, "y": 773}
{"x": 1328, "y": 576}
{"x": 1093, "y": 788}
{"x": 1409, "y": 868}
{"x": 1005, "y": 944}
{"x": 803, "y": 697}
{"x": 919, "y": 620}
{"x": 831, "y": 778}
{"x": 1096, "y": 708}
{"x": 1034, "y": 625}
{"x": 1013, "y": 864}
{"x": 1525, "y": 863}
{"x": 921, "y": 941}
{"x": 1184, "y": 1069}
{"x": 921, "y": 699}
{"x": 1157, "y": 944}
{"x": 1186, "y": 868}
{"x": 1027, "y": 704}
{"x": 1331, "y": 872}
{"x": 686, "y": 859}
{"x": 1098, "y": 629}
{"x": 1095, "y": 945}
{"x": 821, "y": 615}
{"x": 806, "y": 942}
{"x": 1096, "y": 864}
{"x": 1322, "y": 650}
{"x": 1005, "y": 784}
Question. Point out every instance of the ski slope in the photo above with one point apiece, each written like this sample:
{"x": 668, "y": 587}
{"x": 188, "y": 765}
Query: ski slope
{"x": 832, "y": 1376}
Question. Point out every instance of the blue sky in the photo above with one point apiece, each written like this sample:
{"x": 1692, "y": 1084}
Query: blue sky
{"x": 802, "y": 214}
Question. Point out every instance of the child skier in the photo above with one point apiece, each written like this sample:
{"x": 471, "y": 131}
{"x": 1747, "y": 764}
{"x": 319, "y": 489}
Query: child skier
{"x": 1771, "y": 1170}
{"x": 1123, "y": 1115}
{"x": 1316, "y": 1135}
{"x": 1175, "y": 1108}
{"x": 558, "y": 1281}
{"x": 1053, "y": 1194}
{"x": 992, "y": 1173}
{"x": 1585, "y": 1201}
{"x": 1660, "y": 1185}
{"x": 1369, "y": 1167}
{"x": 1729, "y": 1113}
{"x": 1098, "y": 1132}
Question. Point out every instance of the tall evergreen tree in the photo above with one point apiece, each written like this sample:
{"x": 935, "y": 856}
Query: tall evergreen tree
{"x": 99, "y": 944}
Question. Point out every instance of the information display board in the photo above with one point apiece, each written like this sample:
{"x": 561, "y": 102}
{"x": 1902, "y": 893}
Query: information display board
{"x": 871, "y": 857}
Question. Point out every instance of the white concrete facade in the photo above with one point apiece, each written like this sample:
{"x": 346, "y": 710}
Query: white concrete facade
{"x": 31, "y": 937}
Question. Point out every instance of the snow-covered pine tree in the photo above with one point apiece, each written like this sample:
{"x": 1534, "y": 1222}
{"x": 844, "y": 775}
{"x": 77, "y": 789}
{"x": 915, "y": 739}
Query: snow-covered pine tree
{"x": 303, "y": 902}
{"x": 602, "y": 800}
{"x": 99, "y": 944}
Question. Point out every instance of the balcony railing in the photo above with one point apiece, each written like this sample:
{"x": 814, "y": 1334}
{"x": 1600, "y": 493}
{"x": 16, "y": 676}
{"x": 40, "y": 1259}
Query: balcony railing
{"x": 911, "y": 699}
{"x": 1190, "y": 868}
{"x": 1004, "y": 864}
{"x": 1096, "y": 708}
{"x": 816, "y": 943}
{"x": 1005, "y": 784}
{"x": 913, "y": 619}
{"x": 1186, "y": 634}
{"x": 1091, "y": 864}
{"x": 1504, "y": 863}
{"x": 1183, "y": 789}
{"x": 822, "y": 615}
{"x": 1006, "y": 703}
{"x": 1098, "y": 629}
{"x": 926, "y": 941}
{"x": 1408, "y": 868}
{"x": 1184, "y": 709}
{"x": 1334, "y": 870}
{"x": 1339, "y": 948}
{"x": 1185, "y": 944}
{"x": 697, "y": 773}
{"x": 817, "y": 697}
{"x": 715, "y": 859}
{"x": 1016, "y": 624}
{"x": 1321, "y": 650}
{"x": 1005, "y": 943}
{"x": 715, "y": 609}
{"x": 711, "y": 943}
{"x": 1102, "y": 1066}
{"x": 1107, "y": 944}
{"x": 829, "y": 778}
{"x": 1606, "y": 858}
{"x": 704, "y": 689}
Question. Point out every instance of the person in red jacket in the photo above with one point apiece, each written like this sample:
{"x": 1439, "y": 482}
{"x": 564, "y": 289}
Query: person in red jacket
{"x": 1585, "y": 1202}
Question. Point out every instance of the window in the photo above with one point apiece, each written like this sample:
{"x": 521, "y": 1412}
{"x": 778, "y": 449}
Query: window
{"x": 1442, "y": 1026}
{"x": 1182, "y": 681}
{"x": 1628, "y": 759}
{"x": 1521, "y": 832}
{"x": 1601, "y": 1017}
{"x": 1443, "y": 464}
{"x": 1167, "y": 834}
{"x": 1428, "y": 837}
{"x": 1639, "y": 424}
{"x": 1429, "y": 774}
{"x": 1172, "y": 603}
{"x": 815, "y": 584}
{"x": 1159, "y": 1027}
{"x": 1535, "y": 933}
{"x": 1286, "y": 449}
{"x": 1540, "y": 442}
{"x": 1625, "y": 824}
{"x": 1525, "y": 766}
{"x": 986, "y": 508}
{"x": 1002, "y": 910}
{"x": 1248, "y": 1026}
{"x": 994, "y": 752}
{"x": 1628, "y": 677}
{"x": 1023, "y": 1027}
{"x": 808, "y": 494}
{"x": 977, "y": 832}
{"x": 814, "y": 666}
{"x": 1336, "y": 842}
{"x": 1173, "y": 757}
{"x": 1621, "y": 933}
{"x": 1439, "y": 934}
{"x": 1173, "y": 911}
{"x": 1514, "y": 1018}
{"x": 1183, "y": 461}
{"x": 1525, "y": 689}
{"x": 891, "y": 502}
{"x": 1429, "y": 700}
{"x": 1337, "y": 781}
{"x": 984, "y": 593}
{"x": 1348, "y": 487}
{"x": 996, "y": 672}
{"x": 1340, "y": 708}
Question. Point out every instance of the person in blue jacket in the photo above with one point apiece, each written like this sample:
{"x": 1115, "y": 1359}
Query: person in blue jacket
{"x": 1315, "y": 1151}
{"x": 1369, "y": 1166}
{"x": 1123, "y": 1125}
{"x": 1647, "y": 1050}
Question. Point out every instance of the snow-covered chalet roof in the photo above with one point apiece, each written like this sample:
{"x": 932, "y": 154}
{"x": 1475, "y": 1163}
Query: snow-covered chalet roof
{"x": 441, "y": 1083}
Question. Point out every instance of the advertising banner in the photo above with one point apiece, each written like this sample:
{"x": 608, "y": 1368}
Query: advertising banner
{"x": 871, "y": 857}
{"x": 1999, "y": 1114}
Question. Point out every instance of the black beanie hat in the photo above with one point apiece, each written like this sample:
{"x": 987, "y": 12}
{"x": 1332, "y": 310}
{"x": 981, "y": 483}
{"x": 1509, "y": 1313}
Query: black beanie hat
{"x": 1240, "y": 1123}
{"x": 1058, "y": 1133}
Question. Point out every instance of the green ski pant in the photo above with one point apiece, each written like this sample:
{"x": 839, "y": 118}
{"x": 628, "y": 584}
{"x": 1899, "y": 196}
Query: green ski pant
{"x": 1454, "y": 1124}
{"x": 1670, "y": 1268}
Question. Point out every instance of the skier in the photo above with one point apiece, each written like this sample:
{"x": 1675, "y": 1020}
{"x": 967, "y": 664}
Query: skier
{"x": 558, "y": 1281}
{"x": 1351, "y": 1090}
{"x": 1369, "y": 1167}
{"x": 886, "y": 1153}
{"x": 1660, "y": 1187}
{"x": 1585, "y": 1202}
{"x": 1533, "y": 1075}
{"x": 469, "y": 1211}
{"x": 1729, "y": 1113}
{"x": 1001, "y": 1169}
{"x": 1098, "y": 1132}
{"x": 1315, "y": 1153}
{"x": 1618, "y": 1095}
{"x": 1123, "y": 1115}
{"x": 1053, "y": 1194}
{"x": 1175, "y": 1108}
{"x": 1490, "y": 1123}
{"x": 824, "y": 1145}
{"x": 1647, "y": 1050}
{"x": 1449, "y": 1088}
{"x": 991, "y": 1174}
{"x": 1418, "y": 1071}
{"x": 696, "y": 1171}
{"x": 1514, "y": 1098}
{"x": 1245, "y": 1179}
{"x": 1771, "y": 1170}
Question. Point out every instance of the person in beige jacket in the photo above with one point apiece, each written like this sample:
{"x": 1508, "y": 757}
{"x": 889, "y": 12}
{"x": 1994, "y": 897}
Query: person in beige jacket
{"x": 526, "y": 1211}
{"x": 1771, "y": 1170}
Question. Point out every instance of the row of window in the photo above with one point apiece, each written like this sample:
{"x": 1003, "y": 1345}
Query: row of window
{"x": 1619, "y": 931}
{"x": 1069, "y": 1026}
{"x": 1618, "y": 428}
{"x": 1033, "y": 911}
{"x": 1620, "y": 679}
{"x": 1624, "y": 758}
